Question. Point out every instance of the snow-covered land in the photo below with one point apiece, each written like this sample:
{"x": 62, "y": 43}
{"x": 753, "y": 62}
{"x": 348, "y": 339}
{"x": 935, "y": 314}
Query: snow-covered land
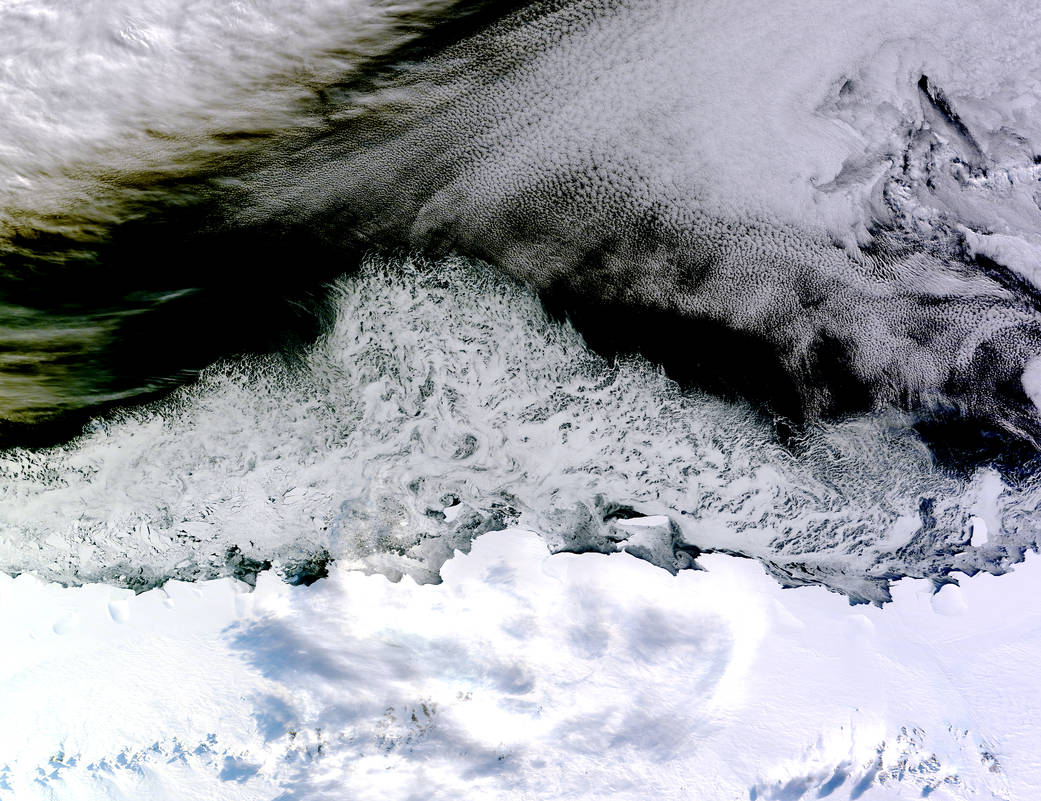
{"x": 444, "y": 404}
{"x": 502, "y": 521}
{"x": 522, "y": 676}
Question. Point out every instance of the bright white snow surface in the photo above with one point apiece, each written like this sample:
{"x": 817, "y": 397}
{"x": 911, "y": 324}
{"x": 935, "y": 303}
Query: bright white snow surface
{"x": 523, "y": 675}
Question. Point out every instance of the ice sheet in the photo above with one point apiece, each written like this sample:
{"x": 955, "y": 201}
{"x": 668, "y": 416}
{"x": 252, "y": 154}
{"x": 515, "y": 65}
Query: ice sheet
{"x": 522, "y": 675}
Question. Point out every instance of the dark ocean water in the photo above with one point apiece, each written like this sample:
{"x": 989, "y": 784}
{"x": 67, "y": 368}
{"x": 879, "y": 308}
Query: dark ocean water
{"x": 171, "y": 303}
{"x": 147, "y": 276}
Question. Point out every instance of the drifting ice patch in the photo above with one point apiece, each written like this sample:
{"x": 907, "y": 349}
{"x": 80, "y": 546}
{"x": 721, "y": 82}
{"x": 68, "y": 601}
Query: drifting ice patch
{"x": 443, "y": 403}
